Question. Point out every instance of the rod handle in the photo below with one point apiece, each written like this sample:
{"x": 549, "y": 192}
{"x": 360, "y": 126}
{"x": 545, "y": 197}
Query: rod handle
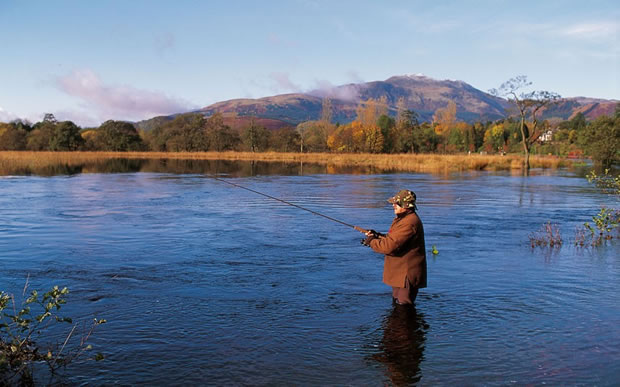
{"x": 360, "y": 229}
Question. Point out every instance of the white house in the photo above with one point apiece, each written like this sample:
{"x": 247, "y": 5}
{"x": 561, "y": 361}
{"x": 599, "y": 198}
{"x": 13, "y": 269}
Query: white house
{"x": 546, "y": 136}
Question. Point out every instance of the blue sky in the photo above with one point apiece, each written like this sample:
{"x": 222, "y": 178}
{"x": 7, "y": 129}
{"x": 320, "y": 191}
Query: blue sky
{"x": 89, "y": 61}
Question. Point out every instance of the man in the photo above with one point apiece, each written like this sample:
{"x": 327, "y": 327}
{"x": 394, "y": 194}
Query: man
{"x": 405, "y": 253}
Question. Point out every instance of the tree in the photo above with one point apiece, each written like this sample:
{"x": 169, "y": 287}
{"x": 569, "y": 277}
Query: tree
{"x": 220, "y": 137}
{"x": 302, "y": 130}
{"x": 495, "y": 138}
{"x": 185, "y": 133}
{"x": 49, "y": 117}
{"x": 39, "y": 138}
{"x": 426, "y": 139}
{"x": 445, "y": 118}
{"x": 326, "y": 111}
{"x": 11, "y": 137}
{"x": 460, "y": 138}
{"x": 313, "y": 136}
{"x": 342, "y": 139}
{"x": 387, "y": 125}
{"x": 408, "y": 125}
{"x": 66, "y": 137}
{"x": 373, "y": 139}
{"x": 256, "y": 137}
{"x": 528, "y": 106}
{"x": 118, "y": 136}
{"x": 52, "y": 135}
{"x": 285, "y": 140}
{"x": 601, "y": 139}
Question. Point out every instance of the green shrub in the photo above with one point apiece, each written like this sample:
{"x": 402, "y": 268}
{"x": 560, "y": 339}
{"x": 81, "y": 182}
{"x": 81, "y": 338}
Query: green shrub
{"x": 25, "y": 338}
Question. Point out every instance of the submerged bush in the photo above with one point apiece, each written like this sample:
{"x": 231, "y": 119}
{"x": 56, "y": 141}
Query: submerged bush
{"x": 605, "y": 227}
{"x": 25, "y": 338}
{"x": 547, "y": 236}
{"x": 606, "y": 182}
{"x": 604, "y": 224}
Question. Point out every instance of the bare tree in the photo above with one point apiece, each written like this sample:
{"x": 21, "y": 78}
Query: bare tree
{"x": 326, "y": 111}
{"x": 528, "y": 105}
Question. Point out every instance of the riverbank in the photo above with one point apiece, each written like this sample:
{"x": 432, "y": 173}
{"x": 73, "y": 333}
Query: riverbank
{"x": 425, "y": 163}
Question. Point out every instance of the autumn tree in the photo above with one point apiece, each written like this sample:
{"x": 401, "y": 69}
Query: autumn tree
{"x": 367, "y": 135}
{"x": 495, "y": 138}
{"x": 12, "y": 137}
{"x": 341, "y": 140}
{"x": 445, "y": 118}
{"x": 528, "y": 105}
{"x": 39, "y": 137}
{"x": 324, "y": 127}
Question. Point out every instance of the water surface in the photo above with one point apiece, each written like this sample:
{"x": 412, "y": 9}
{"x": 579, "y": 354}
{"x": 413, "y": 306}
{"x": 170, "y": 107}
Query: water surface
{"x": 202, "y": 282}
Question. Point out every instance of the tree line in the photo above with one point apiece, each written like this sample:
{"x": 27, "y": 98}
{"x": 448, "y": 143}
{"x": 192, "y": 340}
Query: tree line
{"x": 376, "y": 129}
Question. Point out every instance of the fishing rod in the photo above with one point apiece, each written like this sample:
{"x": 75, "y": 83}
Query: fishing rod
{"x": 363, "y": 231}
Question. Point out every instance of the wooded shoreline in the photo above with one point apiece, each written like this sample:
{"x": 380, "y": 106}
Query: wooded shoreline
{"x": 424, "y": 163}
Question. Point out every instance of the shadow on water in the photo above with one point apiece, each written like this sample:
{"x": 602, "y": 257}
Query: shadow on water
{"x": 234, "y": 168}
{"x": 401, "y": 348}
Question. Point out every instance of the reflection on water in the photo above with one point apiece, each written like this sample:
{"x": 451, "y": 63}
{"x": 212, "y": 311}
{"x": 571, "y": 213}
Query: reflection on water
{"x": 402, "y": 346}
{"x": 186, "y": 166}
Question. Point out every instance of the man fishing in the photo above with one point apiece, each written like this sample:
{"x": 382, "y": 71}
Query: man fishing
{"x": 404, "y": 268}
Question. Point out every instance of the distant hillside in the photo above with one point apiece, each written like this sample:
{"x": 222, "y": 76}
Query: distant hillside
{"x": 421, "y": 94}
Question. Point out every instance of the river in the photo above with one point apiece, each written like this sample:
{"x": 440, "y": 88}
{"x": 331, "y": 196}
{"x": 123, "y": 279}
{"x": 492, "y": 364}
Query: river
{"x": 205, "y": 283}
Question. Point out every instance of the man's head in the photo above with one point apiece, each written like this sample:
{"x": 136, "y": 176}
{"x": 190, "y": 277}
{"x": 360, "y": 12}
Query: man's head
{"x": 404, "y": 199}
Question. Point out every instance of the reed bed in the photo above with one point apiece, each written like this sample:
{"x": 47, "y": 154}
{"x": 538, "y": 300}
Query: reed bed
{"x": 12, "y": 162}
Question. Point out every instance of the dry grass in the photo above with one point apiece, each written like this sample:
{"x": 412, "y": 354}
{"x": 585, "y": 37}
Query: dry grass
{"x": 14, "y": 162}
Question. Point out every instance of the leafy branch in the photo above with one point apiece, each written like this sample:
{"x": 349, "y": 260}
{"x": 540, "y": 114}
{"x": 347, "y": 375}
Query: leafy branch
{"x": 24, "y": 326}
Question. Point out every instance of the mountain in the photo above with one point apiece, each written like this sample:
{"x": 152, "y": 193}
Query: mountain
{"x": 422, "y": 94}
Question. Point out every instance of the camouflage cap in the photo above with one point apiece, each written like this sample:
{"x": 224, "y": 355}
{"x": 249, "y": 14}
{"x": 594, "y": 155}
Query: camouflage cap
{"x": 404, "y": 198}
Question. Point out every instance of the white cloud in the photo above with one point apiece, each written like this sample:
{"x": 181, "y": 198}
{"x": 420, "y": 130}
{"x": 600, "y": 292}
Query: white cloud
{"x": 327, "y": 89}
{"x": 6, "y": 116}
{"x": 118, "y": 102}
{"x": 591, "y": 30}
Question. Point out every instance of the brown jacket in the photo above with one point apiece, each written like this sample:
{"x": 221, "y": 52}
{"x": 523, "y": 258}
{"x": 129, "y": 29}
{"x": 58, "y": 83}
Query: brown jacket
{"x": 405, "y": 252}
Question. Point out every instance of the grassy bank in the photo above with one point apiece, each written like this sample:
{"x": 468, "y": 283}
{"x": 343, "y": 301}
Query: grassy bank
{"x": 427, "y": 163}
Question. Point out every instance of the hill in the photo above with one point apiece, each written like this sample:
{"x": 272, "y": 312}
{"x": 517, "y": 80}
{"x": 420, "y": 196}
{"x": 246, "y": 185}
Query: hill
{"x": 422, "y": 94}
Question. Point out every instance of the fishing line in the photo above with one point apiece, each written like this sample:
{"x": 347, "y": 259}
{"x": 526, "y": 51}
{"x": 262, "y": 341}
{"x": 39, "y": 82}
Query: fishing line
{"x": 290, "y": 204}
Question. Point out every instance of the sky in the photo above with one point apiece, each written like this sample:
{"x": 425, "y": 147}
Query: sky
{"x": 90, "y": 61}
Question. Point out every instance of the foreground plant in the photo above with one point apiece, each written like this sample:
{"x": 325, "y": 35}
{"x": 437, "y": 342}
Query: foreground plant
{"x": 26, "y": 341}
{"x": 547, "y": 236}
{"x": 606, "y": 182}
{"x": 605, "y": 227}
{"x": 604, "y": 224}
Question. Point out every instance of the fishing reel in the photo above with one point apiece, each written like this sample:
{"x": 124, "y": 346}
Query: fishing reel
{"x": 373, "y": 235}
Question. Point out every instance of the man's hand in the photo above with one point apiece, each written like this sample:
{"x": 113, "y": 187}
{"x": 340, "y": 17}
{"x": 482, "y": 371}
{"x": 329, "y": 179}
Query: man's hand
{"x": 369, "y": 236}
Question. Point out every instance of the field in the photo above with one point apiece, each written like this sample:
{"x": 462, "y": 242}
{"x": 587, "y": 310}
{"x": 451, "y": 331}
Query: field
{"x": 12, "y": 162}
